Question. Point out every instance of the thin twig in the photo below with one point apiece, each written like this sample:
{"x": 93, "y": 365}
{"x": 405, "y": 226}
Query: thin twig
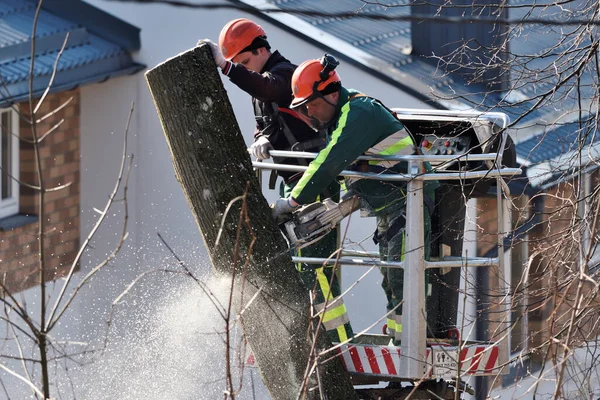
{"x": 51, "y": 319}
{"x": 54, "y": 69}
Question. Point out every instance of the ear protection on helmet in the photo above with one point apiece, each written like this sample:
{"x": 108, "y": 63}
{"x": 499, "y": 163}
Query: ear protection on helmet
{"x": 329, "y": 64}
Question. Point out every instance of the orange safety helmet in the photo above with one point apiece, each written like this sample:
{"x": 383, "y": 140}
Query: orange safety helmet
{"x": 311, "y": 77}
{"x": 238, "y": 34}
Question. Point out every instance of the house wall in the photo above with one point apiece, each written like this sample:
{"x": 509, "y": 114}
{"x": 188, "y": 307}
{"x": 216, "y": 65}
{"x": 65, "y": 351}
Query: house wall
{"x": 549, "y": 287}
{"x": 59, "y": 155}
{"x": 156, "y": 205}
{"x": 580, "y": 379}
{"x": 556, "y": 276}
{"x": 161, "y": 207}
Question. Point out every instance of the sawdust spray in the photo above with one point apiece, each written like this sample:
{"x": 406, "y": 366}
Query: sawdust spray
{"x": 171, "y": 347}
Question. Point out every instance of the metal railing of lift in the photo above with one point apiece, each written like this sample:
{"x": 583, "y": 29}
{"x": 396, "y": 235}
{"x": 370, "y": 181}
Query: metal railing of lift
{"x": 489, "y": 173}
{"x": 412, "y": 347}
{"x": 368, "y": 259}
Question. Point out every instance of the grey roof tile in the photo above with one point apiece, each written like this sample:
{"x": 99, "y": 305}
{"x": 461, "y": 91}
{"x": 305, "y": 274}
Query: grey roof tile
{"x": 87, "y": 57}
{"x": 559, "y": 139}
{"x": 390, "y": 41}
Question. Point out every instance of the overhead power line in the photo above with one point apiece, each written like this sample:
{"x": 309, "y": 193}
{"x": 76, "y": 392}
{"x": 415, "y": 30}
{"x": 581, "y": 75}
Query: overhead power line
{"x": 376, "y": 17}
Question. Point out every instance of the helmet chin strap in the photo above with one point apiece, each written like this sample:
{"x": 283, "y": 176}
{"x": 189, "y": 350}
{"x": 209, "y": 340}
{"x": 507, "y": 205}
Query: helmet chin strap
{"x": 328, "y": 102}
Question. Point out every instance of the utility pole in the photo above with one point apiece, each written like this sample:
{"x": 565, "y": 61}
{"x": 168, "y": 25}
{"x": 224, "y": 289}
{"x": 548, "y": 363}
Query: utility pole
{"x": 213, "y": 167}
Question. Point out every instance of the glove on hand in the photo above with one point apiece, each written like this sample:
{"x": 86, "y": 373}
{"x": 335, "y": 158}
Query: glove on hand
{"x": 281, "y": 207}
{"x": 216, "y": 52}
{"x": 260, "y": 149}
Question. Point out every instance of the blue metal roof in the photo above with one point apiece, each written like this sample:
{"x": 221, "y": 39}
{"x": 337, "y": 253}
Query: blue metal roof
{"x": 391, "y": 42}
{"x": 562, "y": 138}
{"x": 88, "y": 56}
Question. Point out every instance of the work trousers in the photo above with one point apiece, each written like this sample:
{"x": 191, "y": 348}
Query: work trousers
{"x": 391, "y": 237}
{"x": 323, "y": 281}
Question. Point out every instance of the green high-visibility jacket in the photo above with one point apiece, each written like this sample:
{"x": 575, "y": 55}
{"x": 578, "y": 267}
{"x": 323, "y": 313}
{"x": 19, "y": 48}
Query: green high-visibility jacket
{"x": 361, "y": 125}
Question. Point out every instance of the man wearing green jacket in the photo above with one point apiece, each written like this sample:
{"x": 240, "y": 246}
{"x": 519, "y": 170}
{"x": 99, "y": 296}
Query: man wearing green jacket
{"x": 357, "y": 124}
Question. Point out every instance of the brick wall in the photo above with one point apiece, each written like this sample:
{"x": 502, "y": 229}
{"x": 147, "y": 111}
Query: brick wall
{"x": 59, "y": 153}
{"x": 487, "y": 239}
{"x": 553, "y": 251}
{"x": 563, "y": 281}
{"x": 487, "y": 225}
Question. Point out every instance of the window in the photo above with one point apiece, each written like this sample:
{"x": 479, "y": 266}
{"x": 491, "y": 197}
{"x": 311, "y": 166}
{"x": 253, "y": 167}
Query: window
{"x": 9, "y": 163}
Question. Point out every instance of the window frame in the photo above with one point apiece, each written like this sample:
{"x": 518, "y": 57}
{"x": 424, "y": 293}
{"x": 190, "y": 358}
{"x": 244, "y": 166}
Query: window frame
{"x": 10, "y": 205}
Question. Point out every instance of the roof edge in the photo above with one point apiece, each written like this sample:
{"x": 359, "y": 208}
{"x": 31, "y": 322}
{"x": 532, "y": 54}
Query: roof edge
{"x": 550, "y": 172}
{"x": 99, "y": 77}
{"x": 97, "y": 21}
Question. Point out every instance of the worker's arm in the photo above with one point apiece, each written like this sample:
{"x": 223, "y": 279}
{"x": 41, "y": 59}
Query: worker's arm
{"x": 270, "y": 86}
{"x": 352, "y": 136}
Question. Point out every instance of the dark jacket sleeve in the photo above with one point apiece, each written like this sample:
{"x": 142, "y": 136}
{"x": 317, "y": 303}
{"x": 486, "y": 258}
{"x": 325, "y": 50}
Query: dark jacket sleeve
{"x": 352, "y": 136}
{"x": 270, "y": 86}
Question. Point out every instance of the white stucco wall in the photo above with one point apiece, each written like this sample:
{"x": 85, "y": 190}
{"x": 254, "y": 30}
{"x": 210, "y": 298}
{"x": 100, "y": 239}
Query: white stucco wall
{"x": 160, "y": 205}
{"x": 159, "y": 347}
{"x": 156, "y": 201}
{"x": 580, "y": 378}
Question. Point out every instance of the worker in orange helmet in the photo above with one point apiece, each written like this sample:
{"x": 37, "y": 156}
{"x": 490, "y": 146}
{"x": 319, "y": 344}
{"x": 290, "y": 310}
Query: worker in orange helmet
{"x": 244, "y": 55}
{"x": 357, "y": 124}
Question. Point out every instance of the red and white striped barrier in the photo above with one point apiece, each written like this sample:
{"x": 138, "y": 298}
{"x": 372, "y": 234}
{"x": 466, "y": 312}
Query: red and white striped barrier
{"x": 479, "y": 360}
{"x": 385, "y": 360}
{"x": 373, "y": 360}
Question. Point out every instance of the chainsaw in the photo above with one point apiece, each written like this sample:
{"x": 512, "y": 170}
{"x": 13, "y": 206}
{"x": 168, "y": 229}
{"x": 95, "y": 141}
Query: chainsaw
{"x": 310, "y": 223}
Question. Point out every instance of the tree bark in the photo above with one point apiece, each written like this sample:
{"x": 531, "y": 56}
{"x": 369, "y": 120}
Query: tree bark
{"x": 213, "y": 167}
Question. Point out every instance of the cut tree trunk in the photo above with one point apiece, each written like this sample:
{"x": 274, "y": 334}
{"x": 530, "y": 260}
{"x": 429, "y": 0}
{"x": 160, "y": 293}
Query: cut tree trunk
{"x": 213, "y": 167}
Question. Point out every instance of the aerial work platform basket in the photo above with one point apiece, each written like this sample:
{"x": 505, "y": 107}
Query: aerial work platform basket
{"x": 471, "y": 154}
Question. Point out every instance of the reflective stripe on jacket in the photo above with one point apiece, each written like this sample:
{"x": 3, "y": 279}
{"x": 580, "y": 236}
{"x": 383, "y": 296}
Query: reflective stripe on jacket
{"x": 362, "y": 124}
{"x": 398, "y": 143}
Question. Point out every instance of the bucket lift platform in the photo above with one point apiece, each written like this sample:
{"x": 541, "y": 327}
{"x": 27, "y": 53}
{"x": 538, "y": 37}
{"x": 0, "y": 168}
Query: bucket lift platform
{"x": 470, "y": 152}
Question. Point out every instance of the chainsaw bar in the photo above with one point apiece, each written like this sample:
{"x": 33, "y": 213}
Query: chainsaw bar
{"x": 312, "y": 222}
